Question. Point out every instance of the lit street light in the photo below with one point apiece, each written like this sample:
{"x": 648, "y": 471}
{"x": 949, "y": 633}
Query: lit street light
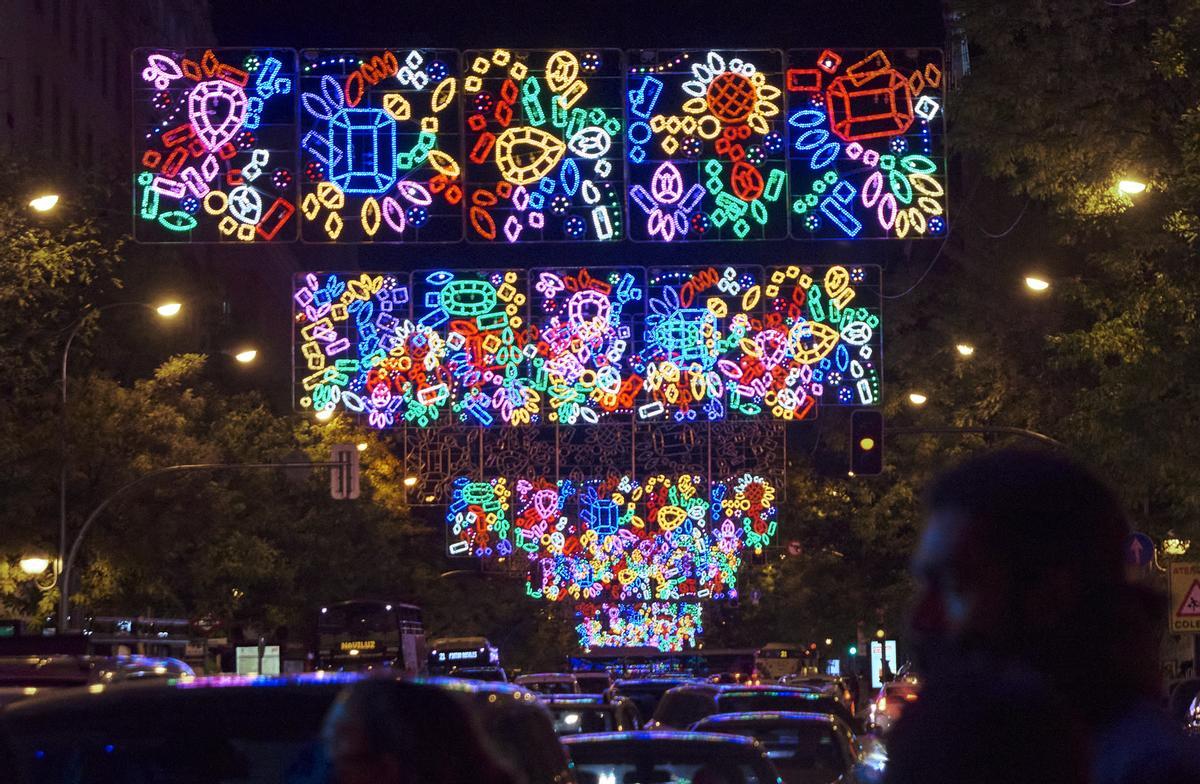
{"x": 325, "y": 414}
{"x": 44, "y": 203}
{"x": 246, "y": 356}
{"x": 164, "y": 310}
{"x": 362, "y": 446}
{"x": 1036, "y": 284}
{"x": 964, "y": 349}
{"x": 1131, "y": 187}
{"x": 917, "y": 399}
{"x": 34, "y": 565}
{"x": 410, "y": 481}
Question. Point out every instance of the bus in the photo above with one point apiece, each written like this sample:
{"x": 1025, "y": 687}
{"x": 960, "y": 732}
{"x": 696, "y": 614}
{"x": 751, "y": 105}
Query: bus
{"x": 777, "y": 659}
{"x": 362, "y": 634}
{"x": 448, "y": 653}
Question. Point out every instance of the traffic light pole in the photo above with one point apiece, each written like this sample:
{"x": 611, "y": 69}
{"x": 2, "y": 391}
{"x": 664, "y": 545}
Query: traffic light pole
{"x": 1041, "y": 438}
{"x": 64, "y": 601}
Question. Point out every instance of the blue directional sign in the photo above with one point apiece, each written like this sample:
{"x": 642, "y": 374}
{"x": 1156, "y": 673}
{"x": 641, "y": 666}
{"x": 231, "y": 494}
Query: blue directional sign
{"x": 1139, "y": 550}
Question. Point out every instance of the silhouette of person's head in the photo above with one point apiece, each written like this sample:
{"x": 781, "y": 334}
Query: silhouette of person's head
{"x": 1015, "y": 541}
{"x": 389, "y": 732}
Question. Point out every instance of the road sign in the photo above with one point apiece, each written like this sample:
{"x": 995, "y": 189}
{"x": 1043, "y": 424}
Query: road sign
{"x": 1185, "y": 597}
{"x": 248, "y": 658}
{"x": 880, "y": 651}
{"x": 1139, "y": 550}
{"x": 343, "y": 477}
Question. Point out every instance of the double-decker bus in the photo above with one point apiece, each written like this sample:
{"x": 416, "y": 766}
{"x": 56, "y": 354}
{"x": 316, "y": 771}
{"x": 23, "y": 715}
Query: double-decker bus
{"x": 365, "y": 633}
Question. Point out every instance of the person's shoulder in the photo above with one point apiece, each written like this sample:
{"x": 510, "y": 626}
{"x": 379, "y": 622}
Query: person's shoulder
{"x": 1142, "y": 744}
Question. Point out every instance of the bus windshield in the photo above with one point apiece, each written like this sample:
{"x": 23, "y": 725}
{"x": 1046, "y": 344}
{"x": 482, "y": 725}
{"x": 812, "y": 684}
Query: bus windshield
{"x": 358, "y": 617}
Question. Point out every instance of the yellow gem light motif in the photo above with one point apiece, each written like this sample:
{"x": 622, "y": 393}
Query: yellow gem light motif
{"x": 544, "y": 140}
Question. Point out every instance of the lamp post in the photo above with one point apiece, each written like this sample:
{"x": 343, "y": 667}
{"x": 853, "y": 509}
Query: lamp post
{"x": 165, "y": 310}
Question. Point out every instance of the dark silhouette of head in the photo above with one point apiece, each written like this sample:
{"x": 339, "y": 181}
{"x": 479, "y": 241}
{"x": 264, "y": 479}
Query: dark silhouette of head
{"x": 1022, "y": 551}
{"x": 390, "y": 732}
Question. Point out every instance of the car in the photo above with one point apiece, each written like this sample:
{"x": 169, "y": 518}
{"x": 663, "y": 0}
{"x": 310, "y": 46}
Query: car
{"x": 661, "y": 757}
{"x": 22, "y": 677}
{"x": 226, "y": 728}
{"x": 594, "y": 682}
{"x": 802, "y": 699}
{"x": 646, "y": 692}
{"x": 890, "y": 702}
{"x": 577, "y": 713}
{"x": 734, "y": 678}
{"x": 549, "y": 683}
{"x": 683, "y": 706}
{"x": 806, "y": 748}
{"x": 830, "y": 685}
{"x": 489, "y": 674}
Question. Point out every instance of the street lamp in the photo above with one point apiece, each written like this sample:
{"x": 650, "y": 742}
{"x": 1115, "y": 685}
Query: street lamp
{"x": 410, "y": 481}
{"x": 44, "y": 203}
{"x": 964, "y": 349}
{"x": 246, "y": 356}
{"x": 1036, "y": 283}
{"x": 1130, "y": 187}
{"x": 917, "y": 398}
{"x": 361, "y": 446}
{"x": 325, "y": 414}
{"x": 34, "y": 565}
{"x": 163, "y": 310}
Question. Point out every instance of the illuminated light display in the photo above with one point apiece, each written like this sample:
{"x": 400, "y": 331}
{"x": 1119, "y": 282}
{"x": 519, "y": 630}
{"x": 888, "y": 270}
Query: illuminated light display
{"x": 706, "y": 145}
{"x": 214, "y": 151}
{"x": 667, "y": 626}
{"x": 588, "y": 332}
{"x": 481, "y": 316}
{"x": 580, "y": 347}
{"x": 544, "y": 145}
{"x": 665, "y": 538}
{"x": 380, "y": 146}
{"x": 865, "y": 144}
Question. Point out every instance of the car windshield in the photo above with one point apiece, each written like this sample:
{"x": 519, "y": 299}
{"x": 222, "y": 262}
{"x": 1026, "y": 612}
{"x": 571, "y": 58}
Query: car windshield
{"x": 657, "y": 762}
{"x": 595, "y": 683}
{"x": 683, "y": 708}
{"x": 801, "y": 752}
{"x": 550, "y": 687}
{"x": 645, "y": 695}
{"x": 741, "y": 702}
{"x": 574, "y": 719}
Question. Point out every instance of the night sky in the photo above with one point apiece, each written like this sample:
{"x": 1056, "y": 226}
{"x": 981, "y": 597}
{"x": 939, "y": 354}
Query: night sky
{"x": 602, "y": 23}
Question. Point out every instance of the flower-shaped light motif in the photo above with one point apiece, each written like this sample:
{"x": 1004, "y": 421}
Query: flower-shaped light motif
{"x": 733, "y": 92}
{"x": 666, "y": 206}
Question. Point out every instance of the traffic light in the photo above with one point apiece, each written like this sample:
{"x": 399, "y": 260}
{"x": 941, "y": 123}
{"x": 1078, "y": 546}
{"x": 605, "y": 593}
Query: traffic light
{"x": 866, "y": 442}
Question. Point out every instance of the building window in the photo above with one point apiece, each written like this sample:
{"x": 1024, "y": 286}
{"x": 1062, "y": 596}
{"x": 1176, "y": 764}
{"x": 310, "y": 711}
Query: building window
{"x": 105, "y": 72}
{"x": 56, "y": 122}
{"x": 73, "y": 26}
{"x": 74, "y": 138}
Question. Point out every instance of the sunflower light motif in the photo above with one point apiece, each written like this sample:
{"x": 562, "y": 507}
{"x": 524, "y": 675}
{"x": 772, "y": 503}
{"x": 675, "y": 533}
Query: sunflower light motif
{"x": 714, "y": 121}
